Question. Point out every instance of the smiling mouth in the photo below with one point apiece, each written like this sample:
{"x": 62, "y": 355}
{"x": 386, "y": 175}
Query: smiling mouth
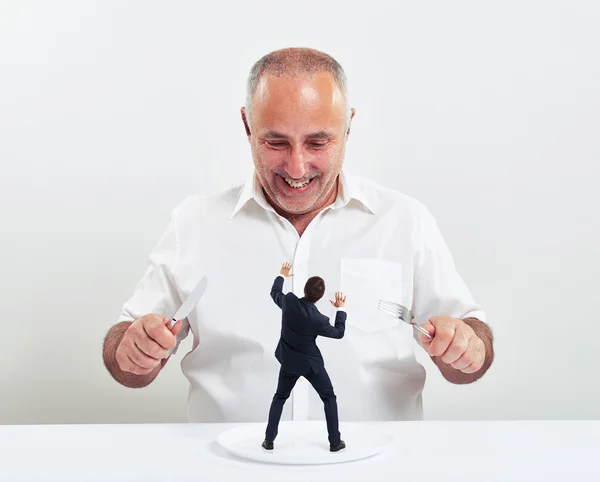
{"x": 297, "y": 184}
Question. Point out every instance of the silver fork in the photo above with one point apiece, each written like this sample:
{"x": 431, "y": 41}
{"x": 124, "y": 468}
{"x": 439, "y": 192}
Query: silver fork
{"x": 401, "y": 312}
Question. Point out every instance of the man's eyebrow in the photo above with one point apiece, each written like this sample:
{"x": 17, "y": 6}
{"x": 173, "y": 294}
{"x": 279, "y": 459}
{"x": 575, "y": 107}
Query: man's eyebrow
{"x": 315, "y": 135}
{"x": 274, "y": 135}
{"x": 320, "y": 135}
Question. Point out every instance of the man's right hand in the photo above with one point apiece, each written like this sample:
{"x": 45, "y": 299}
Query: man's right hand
{"x": 146, "y": 343}
{"x": 340, "y": 300}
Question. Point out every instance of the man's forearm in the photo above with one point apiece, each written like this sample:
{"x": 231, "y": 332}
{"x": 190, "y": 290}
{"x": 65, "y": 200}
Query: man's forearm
{"x": 456, "y": 376}
{"x": 109, "y": 350}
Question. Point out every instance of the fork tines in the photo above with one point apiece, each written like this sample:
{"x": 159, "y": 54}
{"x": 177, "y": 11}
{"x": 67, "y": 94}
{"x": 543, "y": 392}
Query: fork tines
{"x": 393, "y": 309}
{"x": 399, "y": 311}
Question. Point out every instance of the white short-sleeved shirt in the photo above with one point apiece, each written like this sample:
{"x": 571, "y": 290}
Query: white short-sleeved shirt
{"x": 373, "y": 243}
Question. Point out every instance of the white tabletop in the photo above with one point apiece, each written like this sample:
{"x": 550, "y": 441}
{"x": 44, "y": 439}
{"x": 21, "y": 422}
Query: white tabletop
{"x": 433, "y": 451}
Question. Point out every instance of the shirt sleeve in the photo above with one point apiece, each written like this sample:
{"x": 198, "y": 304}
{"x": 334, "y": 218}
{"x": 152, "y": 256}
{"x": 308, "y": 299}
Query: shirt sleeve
{"x": 438, "y": 288}
{"x": 156, "y": 292}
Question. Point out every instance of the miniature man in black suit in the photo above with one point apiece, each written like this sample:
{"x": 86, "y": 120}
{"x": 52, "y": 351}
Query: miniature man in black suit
{"x": 298, "y": 354}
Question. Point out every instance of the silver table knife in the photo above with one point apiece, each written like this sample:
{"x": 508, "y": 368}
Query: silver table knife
{"x": 188, "y": 305}
{"x": 191, "y": 301}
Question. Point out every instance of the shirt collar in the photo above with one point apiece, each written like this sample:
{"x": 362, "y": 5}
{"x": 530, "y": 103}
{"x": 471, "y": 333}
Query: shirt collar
{"x": 251, "y": 191}
{"x": 349, "y": 190}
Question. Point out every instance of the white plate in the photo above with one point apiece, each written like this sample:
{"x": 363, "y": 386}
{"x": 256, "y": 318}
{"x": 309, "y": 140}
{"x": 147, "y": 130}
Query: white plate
{"x": 305, "y": 442}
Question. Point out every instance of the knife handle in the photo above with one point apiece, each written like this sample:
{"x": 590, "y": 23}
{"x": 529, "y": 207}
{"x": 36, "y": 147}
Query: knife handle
{"x": 171, "y": 325}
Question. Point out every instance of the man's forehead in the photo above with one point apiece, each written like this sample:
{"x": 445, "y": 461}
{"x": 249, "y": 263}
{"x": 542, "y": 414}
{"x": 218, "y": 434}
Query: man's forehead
{"x": 309, "y": 88}
{"x": 299, "y": 107}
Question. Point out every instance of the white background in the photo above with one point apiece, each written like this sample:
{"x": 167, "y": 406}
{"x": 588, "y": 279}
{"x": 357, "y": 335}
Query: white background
{"x": 112, "y": 112}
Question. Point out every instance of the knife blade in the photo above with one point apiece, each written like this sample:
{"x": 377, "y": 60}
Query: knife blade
{"x": 191, "y": 301}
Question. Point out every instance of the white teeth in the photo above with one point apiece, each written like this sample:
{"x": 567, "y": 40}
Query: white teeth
{"x": 297, "y": 185}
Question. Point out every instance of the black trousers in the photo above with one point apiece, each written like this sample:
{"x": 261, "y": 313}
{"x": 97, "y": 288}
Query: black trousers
{"x": 322, "y": 384}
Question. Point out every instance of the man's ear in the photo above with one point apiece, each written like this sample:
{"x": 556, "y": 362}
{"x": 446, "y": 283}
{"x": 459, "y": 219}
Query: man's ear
{"x": 352, "y": 113}
{"x": 243, "y": 112}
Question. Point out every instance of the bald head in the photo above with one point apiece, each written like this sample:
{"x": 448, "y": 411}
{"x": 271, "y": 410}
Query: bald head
{"x": 293, "y": 63}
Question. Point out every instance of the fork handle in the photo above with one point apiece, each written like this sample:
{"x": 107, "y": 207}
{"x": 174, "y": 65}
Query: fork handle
{"x": 423, "y": 330}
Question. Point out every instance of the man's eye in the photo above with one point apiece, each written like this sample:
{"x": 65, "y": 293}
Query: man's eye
{"x": 318, "y": 145}
{"x": 276, "y": 144}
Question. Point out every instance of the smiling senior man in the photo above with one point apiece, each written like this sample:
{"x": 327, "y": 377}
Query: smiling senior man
{"x": 301, "y": 205}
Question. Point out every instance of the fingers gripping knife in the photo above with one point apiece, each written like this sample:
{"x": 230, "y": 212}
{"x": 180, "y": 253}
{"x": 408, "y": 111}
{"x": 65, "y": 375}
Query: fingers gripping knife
{"x": 189, "y": 304}
{"x": 398, "y": 311}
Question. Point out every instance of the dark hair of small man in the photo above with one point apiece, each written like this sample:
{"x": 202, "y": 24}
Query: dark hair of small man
{"x": 314, "y": 289}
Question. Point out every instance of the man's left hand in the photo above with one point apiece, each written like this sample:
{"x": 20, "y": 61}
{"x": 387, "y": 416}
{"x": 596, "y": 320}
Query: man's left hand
{"x": 454, "y": 342}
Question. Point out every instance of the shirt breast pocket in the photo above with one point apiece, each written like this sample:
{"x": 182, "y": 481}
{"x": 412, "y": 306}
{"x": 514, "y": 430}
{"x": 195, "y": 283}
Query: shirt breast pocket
{"x": 365, "y": 281}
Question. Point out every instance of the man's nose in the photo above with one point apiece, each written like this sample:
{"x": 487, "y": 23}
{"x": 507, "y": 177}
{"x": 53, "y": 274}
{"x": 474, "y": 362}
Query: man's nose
{"x": 295, "y": 164}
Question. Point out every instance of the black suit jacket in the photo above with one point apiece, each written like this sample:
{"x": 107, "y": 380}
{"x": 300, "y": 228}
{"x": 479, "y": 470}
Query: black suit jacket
{"x": 301, "y": 323}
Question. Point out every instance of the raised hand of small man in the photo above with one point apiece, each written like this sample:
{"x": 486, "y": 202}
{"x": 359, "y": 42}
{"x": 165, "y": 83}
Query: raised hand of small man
{"x": 340, "y": 300}
{"x": 285, "y": 269}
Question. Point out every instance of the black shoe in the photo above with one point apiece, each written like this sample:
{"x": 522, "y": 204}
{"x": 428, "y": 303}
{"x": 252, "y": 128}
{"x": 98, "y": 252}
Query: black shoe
{"x": 268, "y": 444}
{"x": 338, "y": 446}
